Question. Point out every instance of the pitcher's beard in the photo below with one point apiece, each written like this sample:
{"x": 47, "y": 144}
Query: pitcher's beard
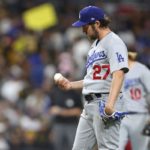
{"x": 91, "y": 38}
{"x": 94, "y": 36}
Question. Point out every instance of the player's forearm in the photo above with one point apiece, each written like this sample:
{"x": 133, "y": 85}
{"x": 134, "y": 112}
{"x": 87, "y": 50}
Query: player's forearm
{"x": 71, "y": 112}
{"x": 118, "y": 77}
{"x": 57, "y": 110}
{"x": 77, "y": 84}
{"x": 65, "y": 84}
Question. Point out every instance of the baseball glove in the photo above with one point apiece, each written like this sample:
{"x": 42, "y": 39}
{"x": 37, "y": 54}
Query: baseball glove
{"x": 146, "y": 130}
{"x": 109, "y": 119}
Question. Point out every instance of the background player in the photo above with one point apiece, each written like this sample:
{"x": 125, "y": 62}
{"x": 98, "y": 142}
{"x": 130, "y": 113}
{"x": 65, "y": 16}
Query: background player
{"x": 106, "y": 65}
{"x": 65, "y": 111}
{"x": 136, "y": 86}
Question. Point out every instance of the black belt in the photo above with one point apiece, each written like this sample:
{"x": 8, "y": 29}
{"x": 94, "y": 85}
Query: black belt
{"x": 91, "y": 96}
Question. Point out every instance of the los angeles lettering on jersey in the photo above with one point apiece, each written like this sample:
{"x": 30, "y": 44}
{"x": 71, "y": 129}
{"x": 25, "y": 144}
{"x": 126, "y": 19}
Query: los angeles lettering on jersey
{"x": 95, "y": 57}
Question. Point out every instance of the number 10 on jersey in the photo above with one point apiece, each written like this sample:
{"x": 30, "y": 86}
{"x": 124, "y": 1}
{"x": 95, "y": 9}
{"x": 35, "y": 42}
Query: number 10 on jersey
{"x": 97, "y": 72}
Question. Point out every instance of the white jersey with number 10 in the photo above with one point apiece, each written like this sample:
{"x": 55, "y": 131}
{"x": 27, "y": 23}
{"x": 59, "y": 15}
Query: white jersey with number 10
{"x": 136, "y": 87}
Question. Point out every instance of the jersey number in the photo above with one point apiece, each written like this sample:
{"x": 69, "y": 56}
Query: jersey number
{"x": 97, "y": 70}
{"x": 135, "y": 93}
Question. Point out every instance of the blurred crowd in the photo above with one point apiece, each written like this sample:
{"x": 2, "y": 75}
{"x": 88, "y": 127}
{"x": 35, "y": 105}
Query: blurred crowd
{"x": 29, "y": 59}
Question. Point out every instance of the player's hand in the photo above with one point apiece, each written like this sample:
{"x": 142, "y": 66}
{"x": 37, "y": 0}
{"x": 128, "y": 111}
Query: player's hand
{"x": 109, "y": 109}
{"x": 109, "y": 118}
{"x": 63, "y": 83}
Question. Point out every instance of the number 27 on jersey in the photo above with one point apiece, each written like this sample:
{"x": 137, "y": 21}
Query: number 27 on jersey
{"x": 97, "y": 72}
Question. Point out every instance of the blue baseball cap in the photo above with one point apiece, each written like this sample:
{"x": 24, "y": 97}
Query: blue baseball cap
{"x": 88, "y": 15}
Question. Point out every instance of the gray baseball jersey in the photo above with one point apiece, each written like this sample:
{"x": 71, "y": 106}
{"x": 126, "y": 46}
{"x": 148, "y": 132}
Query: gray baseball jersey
{"x": 102, "y": 60}
{"x": 136, "y": 86}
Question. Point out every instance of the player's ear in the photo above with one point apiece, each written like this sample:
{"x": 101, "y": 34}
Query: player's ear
{"x": 97, "y": 23}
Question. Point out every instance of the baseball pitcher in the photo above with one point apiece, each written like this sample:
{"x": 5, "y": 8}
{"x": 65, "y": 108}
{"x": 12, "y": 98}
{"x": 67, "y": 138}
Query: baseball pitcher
{"x": 102, "y": 85}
